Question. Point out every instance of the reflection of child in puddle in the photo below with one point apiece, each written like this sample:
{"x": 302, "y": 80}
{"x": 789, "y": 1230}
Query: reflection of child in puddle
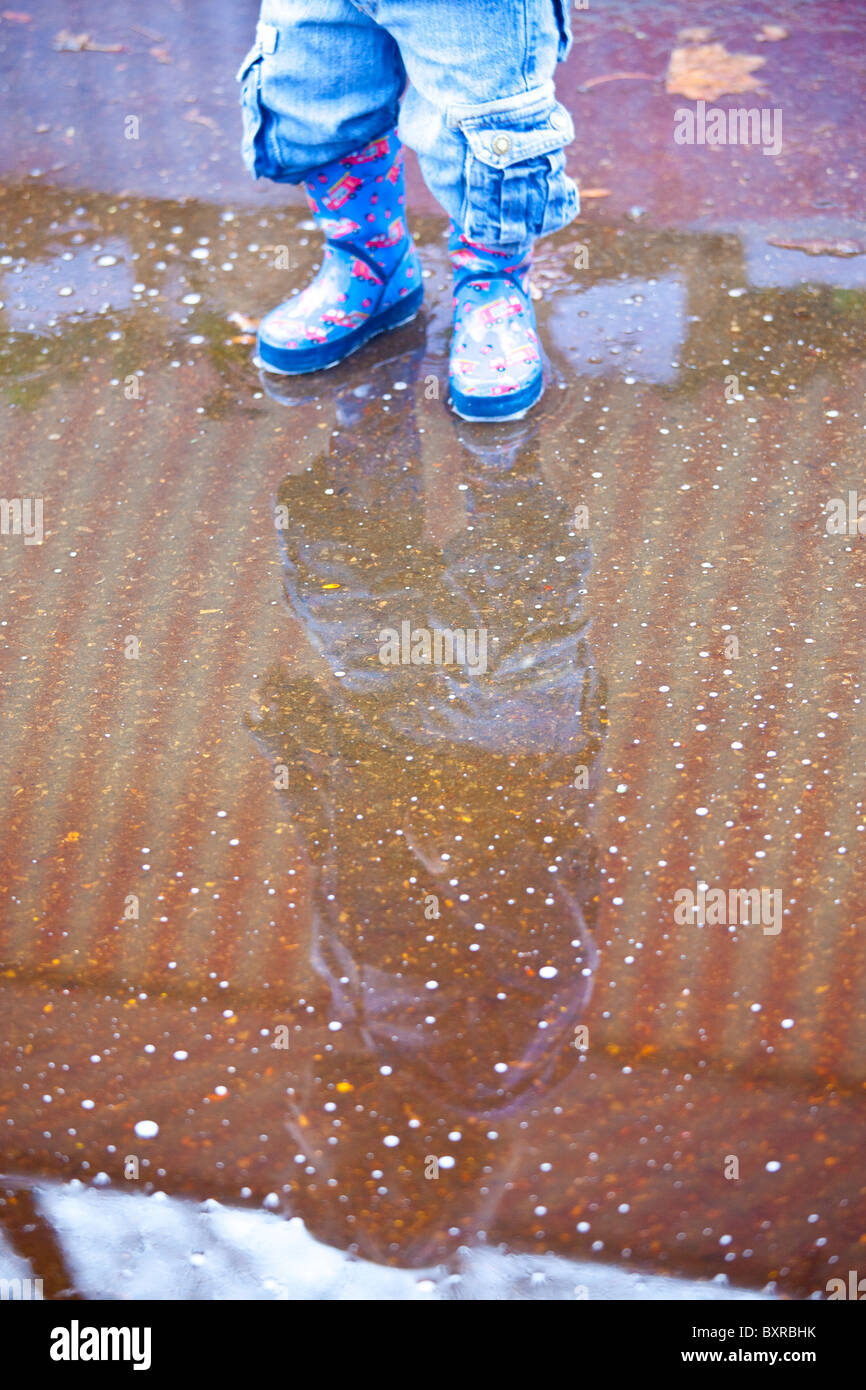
{"x": 321, "y": 90}
{"x": 451, "y": 881}
{"x": 451, "y": 884}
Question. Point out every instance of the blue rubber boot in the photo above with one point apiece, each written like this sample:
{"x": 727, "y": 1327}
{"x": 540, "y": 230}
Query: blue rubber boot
{"x": 370, "y": 278}
{"x": 495, "y": 371}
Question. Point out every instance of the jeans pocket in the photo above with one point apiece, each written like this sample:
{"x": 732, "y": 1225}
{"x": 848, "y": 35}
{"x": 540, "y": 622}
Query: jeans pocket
{"x": 516, "y": 186}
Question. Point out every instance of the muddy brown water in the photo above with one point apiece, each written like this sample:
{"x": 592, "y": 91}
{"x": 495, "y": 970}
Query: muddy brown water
{"x": 398, "y": 943}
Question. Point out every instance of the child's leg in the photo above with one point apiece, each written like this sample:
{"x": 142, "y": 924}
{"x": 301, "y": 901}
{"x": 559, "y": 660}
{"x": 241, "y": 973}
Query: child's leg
{"x": 482, "y": 114}
{"x": 321, "y": 89}
{"x": 320, "y": 81}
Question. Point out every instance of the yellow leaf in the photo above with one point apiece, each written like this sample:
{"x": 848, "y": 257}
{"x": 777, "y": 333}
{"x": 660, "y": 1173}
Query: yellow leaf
{"x": 706, "y": 71}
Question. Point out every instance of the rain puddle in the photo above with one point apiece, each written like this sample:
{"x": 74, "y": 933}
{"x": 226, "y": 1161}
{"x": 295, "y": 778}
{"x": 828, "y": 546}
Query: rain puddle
{"x": 451, "y": 836}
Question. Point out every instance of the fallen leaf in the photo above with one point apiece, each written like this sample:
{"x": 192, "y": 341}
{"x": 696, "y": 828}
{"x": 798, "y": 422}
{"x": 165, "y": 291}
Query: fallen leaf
{"x": 694, "y": 35}
{"x": 18, "y": 17}
{"x": 770, "y": 33}
{"x": 617, "y": 77}
{"x": 196, "y": 118}
{"x": 161, "y": 55}
{"x": 595, "y": 193}
{"x": 66, "y": 42}
{"x": 816, "y": 246}
{"x": 708, "y": 70}
{"x": 243, "y": 321}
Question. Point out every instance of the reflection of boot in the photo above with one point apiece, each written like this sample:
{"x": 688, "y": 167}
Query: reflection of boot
{"x": 352, "y": 391}
{"x": 370, "y": 278}
{"x": 495, "y": 370}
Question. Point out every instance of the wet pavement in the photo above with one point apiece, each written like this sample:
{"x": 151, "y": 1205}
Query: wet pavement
{"x": 401, "y": 949}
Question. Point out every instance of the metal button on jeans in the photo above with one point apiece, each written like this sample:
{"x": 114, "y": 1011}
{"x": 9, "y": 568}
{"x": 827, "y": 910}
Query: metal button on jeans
{"x": 501, "y": 144}
{"x": 557, "y": 120}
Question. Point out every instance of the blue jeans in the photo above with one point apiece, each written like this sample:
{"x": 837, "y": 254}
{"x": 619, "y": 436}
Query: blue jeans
{"x": 326, "y": 76}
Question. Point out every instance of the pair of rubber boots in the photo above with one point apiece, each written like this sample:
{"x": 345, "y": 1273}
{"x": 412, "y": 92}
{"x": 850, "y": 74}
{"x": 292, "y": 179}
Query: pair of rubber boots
{"x": 370, "y": 281}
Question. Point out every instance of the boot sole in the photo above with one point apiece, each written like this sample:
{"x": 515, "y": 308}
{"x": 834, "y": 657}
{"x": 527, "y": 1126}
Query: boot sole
{"x": 499, "y": 408}
{"x": 298, "y": 361}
